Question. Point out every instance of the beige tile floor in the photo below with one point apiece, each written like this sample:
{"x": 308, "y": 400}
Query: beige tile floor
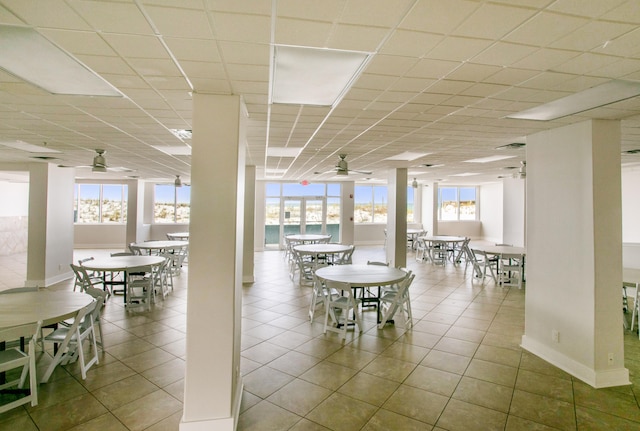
{"x": 459, "y": 368}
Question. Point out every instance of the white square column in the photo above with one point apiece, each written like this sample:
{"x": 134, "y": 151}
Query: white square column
{"x": 397, "y": 218}
{"x": 213, "y": 384}
{"x": 573, "y": 306}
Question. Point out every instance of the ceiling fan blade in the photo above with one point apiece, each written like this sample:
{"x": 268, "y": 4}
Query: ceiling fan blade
{"x": 361, "y": 172}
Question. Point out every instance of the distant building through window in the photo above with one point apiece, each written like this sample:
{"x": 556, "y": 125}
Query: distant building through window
{"x": 171, "y": 204}
{"x": 457, "y": 203}
{"x": 100, "y": 203}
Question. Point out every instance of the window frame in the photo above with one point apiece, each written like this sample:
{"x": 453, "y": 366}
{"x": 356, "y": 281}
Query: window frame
{"x": 176, "y": 204}
{"x": 457, "y": 201}
{"x": 124, "y": 203}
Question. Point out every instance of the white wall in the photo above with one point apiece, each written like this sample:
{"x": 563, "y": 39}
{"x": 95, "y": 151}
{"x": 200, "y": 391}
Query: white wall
{"x": 513, "y": 219}
{"x": 14, "y": 212}
{"x": 491, "y": 212}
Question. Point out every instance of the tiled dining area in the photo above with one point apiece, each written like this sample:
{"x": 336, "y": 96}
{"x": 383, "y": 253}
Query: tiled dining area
{"x": 459, "y": 368}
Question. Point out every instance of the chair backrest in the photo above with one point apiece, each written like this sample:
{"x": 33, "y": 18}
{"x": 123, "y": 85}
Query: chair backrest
{"x": 82, "y": 277}
{"x": 135, "y": 250}
{"x": 347, "y": 256}
{"x": 371, "y": 262}
{"x": 86, "y": 259}
{"x": 403, "y": 286}
{"x": 122, "y": 253}
{"x": 16, "y": 332}
{"x": 100, "y": 297}
{"x": 344, "y": 288}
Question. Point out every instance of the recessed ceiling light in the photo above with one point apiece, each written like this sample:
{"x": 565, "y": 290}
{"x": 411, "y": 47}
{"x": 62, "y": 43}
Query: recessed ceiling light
{"x": 24, "y": 146}
{"x": 182, "y": 133}
{"x": 407, "y": 156}
{"x": 601, "y": 95}
{"x": 283, "y": 151}
{"x": 28, "y": 55}
{"x": 180, "y": 150}
{"x": 465, "y": 174}
{"x": 314, "y": 76}
{"x": 488, "y": 159}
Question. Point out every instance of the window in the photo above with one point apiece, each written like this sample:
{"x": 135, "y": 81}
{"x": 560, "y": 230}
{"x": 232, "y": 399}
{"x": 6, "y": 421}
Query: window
{"x": 370, "y": 204}
{"x": 410, "y": 202}
{"x": 456, "y": 203}
{"x": 100, "y": 203}
{"x": 171, "y": 204}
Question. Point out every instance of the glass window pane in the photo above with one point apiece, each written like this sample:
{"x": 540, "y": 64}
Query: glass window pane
{"x": 448, "y": 203}
{"x": 89, "y": 203}
{"x": 164, "y": 203}
{"x": 183, "y": 204}
{"x": 273, "y": 189}
{"x": 333, "y": 189}
{"x": 363, "y": 211}
{"x": 75, "y": 202}
{"x": 380, "y": 204}
{"x": 112, "y": 209}
{"x": 272, "y": 221}
{"x": 333, "y": 218}
{"x": 410, "y": 191}
{"x": 467, "y": 203}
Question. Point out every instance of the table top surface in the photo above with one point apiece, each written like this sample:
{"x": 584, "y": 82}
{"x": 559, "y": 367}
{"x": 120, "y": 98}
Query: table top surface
{"x": 322, "y": 248}
{"x": 28, "y": 307}
{"x": 501, "y": 249}
{"x": 161, "y": 244}
{"x": 447, "y": 238}
{"x": 362, "y": 275}
{"x": 178, "y": 235}
{"x": 308, "y": 237}
{"x": 122, "y": 263}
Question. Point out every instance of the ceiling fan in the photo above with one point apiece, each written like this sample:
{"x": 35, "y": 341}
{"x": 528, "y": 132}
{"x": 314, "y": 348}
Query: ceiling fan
{"x": 342, "y": 168}
{"x": 99, "y": 164}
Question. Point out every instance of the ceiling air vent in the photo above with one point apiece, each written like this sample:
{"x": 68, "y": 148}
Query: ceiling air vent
{"x": 637, "y": 151}
{"x": 512, "y": 146}
{"x": 44, "y": 158}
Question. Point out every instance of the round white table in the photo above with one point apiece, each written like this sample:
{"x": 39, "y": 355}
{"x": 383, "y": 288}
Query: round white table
{"x": 158, "y": 246}
{"x": 309, "y": 238}
{"x": 316, "y": 250}
{"x": 361, "y": 276}
{"x": 123, "y": 264}
{"x": 51, "y": 307}
{"x": 182, "y": 236}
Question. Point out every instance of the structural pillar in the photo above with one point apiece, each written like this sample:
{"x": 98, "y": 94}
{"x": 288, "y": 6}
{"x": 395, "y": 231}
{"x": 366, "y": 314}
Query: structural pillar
{"x": 249, "y": 221}
{"x": 397, "y": 218}
{"x": 213, "y": 384}
{"x": 135, "y": 210}
{"x": 50, "y": 242}
{"x": 573, "y": 315}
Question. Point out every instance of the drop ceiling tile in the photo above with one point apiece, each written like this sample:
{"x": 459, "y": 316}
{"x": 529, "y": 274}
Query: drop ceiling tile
{"x": 179, "y": 22}
{"x": 585, "y": 63}
{"x": 592, "y": 35}
{"x": 624, "y": 46}
{"x": 503, "y": 54}
{"x": 356, "y": 38}
{"x": 619, "y": 69}
{"x": 492, "y": 21}
{"x": 390, "y": 65}
{"x": 384, "y": 13}
{"x": 241, "y": 28}
{"x": 626, "y": 12}
{"x": 591, "y": 9}
{"x": 6, "y": 17}
{"x": 437, "y": 16}
{"x": 544, "y": 29}
{"x": 198, "y": 69}
{"x": 114, "y": 17}
{"x": 136, "y": 46}
{"x": 410, "y": 43}
{"x": 193, "y": 49}
{"x": 428, "y": 68}
{"x": 458, "y": 49}
{"x": 101, "y": 64}
{"x": 57, "y": 14}
{"x": 473, "y": 72}
{"x": 244, "y": 53}
{"x": 412, "y": 84}
{"x": 545, "y": 59}
{"x": 154, "y": 67}
{"x": 79, "y": 42}
{"x": 299, "y": 32}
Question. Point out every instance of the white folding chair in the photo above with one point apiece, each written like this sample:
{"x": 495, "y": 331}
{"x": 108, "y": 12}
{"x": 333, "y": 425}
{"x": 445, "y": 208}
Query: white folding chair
{"x": 320, "y": 296}
{"x": 394, "y": 301}
{"x": 100, "y": 296}
{"x": 482, "y": 263}
{"x": 341, "y": 308}
{"x": 83, "y": 280}
{"x": 71, "y": 339}
{"x": 511, "y": 269}
{"x": 13, "y": 358}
